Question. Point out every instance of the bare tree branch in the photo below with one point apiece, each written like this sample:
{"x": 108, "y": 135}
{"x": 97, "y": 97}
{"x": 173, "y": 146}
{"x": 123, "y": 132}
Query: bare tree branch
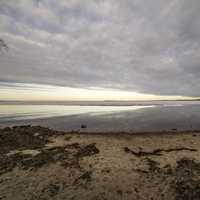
{"x": 3, "y": 45}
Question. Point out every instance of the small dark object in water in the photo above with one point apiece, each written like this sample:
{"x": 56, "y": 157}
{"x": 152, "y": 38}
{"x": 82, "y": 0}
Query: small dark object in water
{"x": 83, "y": 126}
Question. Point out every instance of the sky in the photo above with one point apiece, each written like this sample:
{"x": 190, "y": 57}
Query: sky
{"x": 100, "y": 49}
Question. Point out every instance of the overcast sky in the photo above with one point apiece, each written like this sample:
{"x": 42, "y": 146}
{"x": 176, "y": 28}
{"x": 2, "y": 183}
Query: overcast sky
{"x": 145, "y": 46}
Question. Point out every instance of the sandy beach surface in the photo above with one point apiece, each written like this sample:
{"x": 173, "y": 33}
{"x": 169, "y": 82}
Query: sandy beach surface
{"x": 37, "y": 163}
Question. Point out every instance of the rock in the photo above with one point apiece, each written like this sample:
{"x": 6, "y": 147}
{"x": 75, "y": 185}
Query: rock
{"x": 88, "y": 150}
{"x": 83, "y": 126}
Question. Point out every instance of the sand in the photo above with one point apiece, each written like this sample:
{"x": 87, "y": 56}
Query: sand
{"x": 37, "y": 163}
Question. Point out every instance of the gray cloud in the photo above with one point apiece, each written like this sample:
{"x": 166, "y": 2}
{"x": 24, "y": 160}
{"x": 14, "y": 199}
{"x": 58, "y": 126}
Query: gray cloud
{"x": 144, "y": 46}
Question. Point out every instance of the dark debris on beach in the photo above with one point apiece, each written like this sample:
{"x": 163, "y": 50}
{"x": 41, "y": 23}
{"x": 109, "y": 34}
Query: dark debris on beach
{"x": 35, "y": 138}
{"x": 183, "y": 179}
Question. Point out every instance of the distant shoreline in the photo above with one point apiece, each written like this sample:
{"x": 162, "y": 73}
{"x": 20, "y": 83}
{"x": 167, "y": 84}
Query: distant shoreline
{"x": 90, "y": 103}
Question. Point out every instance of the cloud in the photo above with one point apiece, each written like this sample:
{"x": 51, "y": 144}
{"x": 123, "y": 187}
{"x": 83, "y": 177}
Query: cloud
{"x": 135, "y": 45}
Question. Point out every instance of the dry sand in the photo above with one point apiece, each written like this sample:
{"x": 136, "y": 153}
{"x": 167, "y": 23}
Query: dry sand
{"x": 39, "y": 164}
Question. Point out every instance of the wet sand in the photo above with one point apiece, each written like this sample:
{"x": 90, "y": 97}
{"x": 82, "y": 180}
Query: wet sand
{"x": 37, "y": 163}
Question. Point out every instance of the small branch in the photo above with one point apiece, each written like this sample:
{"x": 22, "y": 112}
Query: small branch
{"x": 156, "y": 152}
{"x": 3, "y": 45}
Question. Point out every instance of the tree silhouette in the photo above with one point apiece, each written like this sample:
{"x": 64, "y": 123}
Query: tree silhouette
{"x": 3, "y": 45}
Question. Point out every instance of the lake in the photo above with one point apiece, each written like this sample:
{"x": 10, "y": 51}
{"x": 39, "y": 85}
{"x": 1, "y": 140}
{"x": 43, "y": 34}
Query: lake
{"x": 104, "y": 116}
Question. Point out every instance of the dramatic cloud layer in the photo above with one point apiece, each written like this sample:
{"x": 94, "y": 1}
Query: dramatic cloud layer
{"x": 136, "y": 45}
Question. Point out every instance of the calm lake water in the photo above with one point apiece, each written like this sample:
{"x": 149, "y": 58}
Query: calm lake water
{"x": 106, "y": 116}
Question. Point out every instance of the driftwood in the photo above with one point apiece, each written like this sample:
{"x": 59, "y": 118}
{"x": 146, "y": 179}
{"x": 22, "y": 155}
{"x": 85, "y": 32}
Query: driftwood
{"x": 156, "y": 152}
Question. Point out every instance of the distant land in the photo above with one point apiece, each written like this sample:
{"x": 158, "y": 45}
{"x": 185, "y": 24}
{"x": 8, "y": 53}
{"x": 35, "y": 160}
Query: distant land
{"x": 95, "y": 103}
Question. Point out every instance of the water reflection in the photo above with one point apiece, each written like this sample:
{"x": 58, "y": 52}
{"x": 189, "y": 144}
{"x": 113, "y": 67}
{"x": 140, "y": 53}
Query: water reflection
{"x": 23, "y": 112}
{"x": 105, "y": 118}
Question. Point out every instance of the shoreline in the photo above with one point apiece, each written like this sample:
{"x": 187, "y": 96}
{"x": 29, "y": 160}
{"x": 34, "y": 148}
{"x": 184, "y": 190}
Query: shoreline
{"x": 81, "y": 131}
{"x": 39, "y": 163}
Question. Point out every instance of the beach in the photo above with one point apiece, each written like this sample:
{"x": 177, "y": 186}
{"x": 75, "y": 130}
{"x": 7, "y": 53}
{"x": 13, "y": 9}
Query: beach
{"x": 99, "y": 100}
{"x": 41, "y": 163}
